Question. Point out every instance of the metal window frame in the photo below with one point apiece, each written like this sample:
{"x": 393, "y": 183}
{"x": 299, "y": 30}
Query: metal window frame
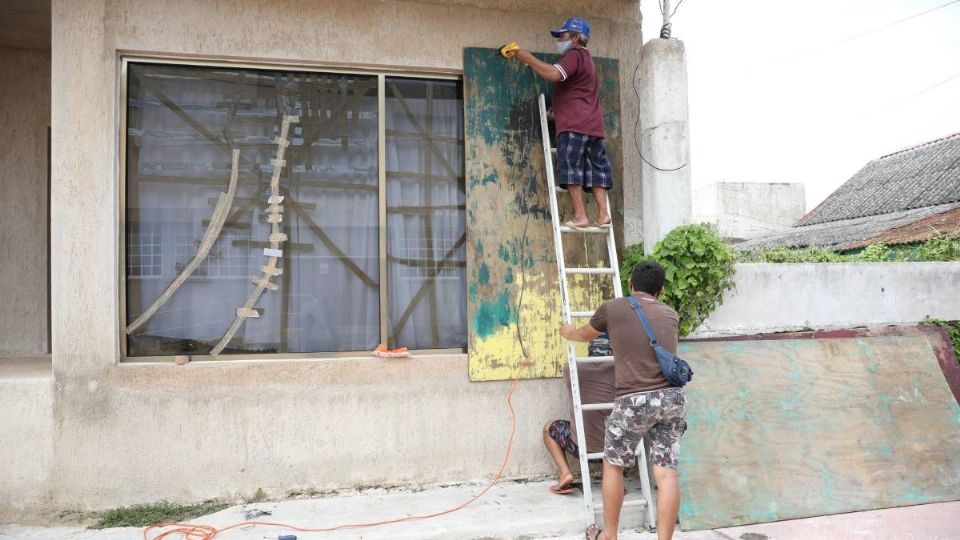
{"x": 381, "y": 72}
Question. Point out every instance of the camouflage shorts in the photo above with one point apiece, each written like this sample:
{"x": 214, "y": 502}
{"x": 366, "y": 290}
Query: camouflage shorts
{"x": 660, "y": 412}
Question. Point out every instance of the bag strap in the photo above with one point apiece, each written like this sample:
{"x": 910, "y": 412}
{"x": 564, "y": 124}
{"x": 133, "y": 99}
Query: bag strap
{"x": 635, "y": 304}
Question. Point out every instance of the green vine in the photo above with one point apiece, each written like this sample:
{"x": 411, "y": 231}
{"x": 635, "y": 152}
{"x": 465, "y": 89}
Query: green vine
{"x": 941, "y": 247}
{"x": 699, "y": 268}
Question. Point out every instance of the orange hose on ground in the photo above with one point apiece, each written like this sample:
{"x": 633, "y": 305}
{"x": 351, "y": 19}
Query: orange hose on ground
{"x": 190, "y": 531}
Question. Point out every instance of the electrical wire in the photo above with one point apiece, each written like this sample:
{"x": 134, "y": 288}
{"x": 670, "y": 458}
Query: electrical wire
{"x": 841, "y": 41}
{"x": 190, "y": 531}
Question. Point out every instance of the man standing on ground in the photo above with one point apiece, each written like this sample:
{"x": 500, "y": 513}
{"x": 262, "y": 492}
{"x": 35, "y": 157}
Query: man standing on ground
{"x": 582, "y": 162}
{"x": 646, "y": 402}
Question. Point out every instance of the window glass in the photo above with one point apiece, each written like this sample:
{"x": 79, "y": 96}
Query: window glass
{"x": 182, "y": 124}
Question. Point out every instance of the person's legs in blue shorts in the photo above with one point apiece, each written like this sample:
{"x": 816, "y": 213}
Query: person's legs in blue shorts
{"x": 582, "y": 164}
{"x": 557, "y": 438}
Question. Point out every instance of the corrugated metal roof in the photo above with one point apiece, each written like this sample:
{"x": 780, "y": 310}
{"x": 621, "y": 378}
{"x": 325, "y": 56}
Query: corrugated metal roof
{"x": 923, "y": 229}
{"x": 918, "y": 177}
{"x": 840, "y": 235}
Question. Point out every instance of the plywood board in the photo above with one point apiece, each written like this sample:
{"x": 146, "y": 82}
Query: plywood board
{"x": 512, "y": 277}
{"x": 796, "y": 428}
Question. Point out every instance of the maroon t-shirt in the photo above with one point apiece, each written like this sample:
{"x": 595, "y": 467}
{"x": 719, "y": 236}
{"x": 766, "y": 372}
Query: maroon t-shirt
{"x": 576, "y": 98}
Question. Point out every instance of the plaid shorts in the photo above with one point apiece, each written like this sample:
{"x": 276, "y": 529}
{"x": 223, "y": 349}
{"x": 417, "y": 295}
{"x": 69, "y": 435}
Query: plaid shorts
{"x": 562, "y": 432}
{"x": 661, "y": 412}
{"x": 582, "y": 161}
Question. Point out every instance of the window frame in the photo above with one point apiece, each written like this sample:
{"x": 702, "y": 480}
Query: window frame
{"x": 381, "y": 72}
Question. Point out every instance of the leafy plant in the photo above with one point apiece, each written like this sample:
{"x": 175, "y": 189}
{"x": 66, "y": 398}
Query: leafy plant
{"x": 699, "y": 266}
{"x": 142, "y": 515}
{"x": 941, "y": 247}
{"x": 875, "y": 253}
{"x": 814, "y": 254}
{"x": 631, "y": 256}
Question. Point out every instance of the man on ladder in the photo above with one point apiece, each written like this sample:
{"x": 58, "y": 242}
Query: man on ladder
{"x": 582, "y": 162}
{"x": 646, "y": 401}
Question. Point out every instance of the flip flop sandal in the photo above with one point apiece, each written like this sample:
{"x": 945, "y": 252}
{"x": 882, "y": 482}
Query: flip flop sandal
{"x": 593, "y": 532}
{"x": 572, "y": 225}
{"x": 561, "y": 491}
{"x": 606, "y": 225}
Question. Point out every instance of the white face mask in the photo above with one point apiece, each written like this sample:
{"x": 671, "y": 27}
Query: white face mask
{"x": 564, "y": 46}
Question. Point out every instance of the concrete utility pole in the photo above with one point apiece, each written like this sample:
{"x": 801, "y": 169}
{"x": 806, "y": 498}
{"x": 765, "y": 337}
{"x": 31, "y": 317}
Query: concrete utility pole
{"x": 664, "y": 135}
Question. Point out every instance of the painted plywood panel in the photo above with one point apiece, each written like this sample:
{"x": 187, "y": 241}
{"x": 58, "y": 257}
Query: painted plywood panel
{"x": 797, "y": 428}
{"x": 513, "y": 290}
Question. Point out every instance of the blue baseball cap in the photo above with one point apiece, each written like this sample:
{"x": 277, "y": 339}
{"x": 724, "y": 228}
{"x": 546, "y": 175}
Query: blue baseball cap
{"x": 574, "y": 25}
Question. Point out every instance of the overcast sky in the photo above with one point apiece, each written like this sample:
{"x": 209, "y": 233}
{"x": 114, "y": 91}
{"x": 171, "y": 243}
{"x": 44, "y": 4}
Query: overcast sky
{"x": 778, "y": 93}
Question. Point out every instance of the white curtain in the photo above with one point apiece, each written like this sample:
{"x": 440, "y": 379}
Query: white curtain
{"x": 175, "y": 171}
{"x": 425, "y": 199}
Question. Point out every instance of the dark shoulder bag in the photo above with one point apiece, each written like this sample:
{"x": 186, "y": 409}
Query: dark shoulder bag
{"x": 674, "y": 368}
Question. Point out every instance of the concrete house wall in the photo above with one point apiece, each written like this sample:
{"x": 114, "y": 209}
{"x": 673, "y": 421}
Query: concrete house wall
{"x": 129, "y": 433}
{"x": 25, "y": 117}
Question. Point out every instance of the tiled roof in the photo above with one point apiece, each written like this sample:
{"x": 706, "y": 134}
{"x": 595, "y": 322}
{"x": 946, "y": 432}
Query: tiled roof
{"x": 845, "y": 234}
{"x": 922, "y": 176}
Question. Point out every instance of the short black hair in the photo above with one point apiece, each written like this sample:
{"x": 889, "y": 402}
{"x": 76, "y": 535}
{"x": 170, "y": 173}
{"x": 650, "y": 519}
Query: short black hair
{"x": 647, "y": 276}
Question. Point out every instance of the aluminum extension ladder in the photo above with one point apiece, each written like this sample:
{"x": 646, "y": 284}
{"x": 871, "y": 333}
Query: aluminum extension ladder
{"x": 646, "y": 500}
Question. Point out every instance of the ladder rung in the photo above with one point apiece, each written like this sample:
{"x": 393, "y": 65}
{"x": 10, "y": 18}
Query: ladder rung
{"x": 553, "y": 150}
{"x": 594, "y": 359}
{"x": 589, "y": 270}
{"x": 581, "y": 314}
{"x": 596, "y": 406}
{"x": 561, "y": 189}
{"x": 626, "y": 503}
{"x": 585, "y": 230}
{"x": 595, "y": 455}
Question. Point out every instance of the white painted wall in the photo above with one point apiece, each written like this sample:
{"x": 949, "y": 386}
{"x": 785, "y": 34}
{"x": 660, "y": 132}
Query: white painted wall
{"x": 779, "y": 297}
{"x": 744, "y": 210}
{"x": 24, "y": 117}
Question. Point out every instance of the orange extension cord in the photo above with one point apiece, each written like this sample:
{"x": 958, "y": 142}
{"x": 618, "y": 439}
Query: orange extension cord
{"x": 189, "y": 531}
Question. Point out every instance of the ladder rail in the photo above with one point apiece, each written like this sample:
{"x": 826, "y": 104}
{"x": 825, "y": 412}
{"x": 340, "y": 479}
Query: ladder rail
{"x": 568, "y": 316}
{"x": 565, "y": 301}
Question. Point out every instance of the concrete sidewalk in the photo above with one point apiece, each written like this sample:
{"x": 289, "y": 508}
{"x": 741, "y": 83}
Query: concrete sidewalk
{"x": 513, "y": 511}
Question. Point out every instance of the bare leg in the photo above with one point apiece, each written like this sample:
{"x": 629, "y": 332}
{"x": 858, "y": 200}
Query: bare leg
{"x": 579, "y": 211}
{"x": 612, "y": 500}
{"x": 600, "y": 194}
{"x": 564, "y": 475}
{"x": 668, "y": 500}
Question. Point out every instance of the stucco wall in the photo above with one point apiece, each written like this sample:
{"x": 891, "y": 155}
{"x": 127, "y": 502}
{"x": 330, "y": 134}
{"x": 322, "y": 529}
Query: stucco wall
{"x": 26, "y": 434}
{"x": 25, "y": 116}
{"x": 140, "y": 433}
{"x": 779, "y": 297}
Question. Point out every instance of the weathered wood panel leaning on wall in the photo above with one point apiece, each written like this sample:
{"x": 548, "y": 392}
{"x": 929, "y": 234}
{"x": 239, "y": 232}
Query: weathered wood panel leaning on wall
{"x": 511, "y": 263}
{"x": 797, "y": 428}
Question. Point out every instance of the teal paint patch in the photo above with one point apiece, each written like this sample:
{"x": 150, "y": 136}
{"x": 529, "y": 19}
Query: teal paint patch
{"x": 508, "y": 277}
{"x": 478, "y": 247}
{"x": 493, "y": 314}
{"x": 505, "y": 254}
{"x": 472, "y": 292}
{"x": 483, "y": 275}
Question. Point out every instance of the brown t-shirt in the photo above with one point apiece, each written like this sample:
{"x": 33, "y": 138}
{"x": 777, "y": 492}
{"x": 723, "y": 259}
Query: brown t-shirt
{"x": 635, "y": 363}
{"x": 596, "y": 386}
